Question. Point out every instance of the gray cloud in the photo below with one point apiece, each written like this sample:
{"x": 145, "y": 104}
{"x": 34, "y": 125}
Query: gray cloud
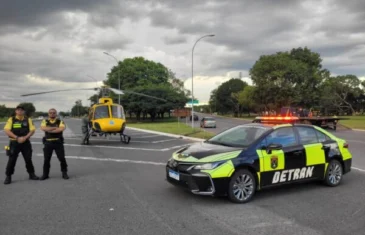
{"x": 110, "y": 44}
{"x": 63, "y": 40}
{"x": 175, "y": 40}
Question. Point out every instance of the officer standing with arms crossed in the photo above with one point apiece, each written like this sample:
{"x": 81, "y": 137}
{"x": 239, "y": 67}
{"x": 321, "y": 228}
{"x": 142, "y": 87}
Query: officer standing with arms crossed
{"x": 19, "y": 129}
{"x": 53, "y": 140}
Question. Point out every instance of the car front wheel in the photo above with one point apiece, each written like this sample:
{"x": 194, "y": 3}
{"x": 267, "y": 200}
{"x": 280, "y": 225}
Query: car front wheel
{"x": 334, "y": 173}
{"x": 242, "y": 186}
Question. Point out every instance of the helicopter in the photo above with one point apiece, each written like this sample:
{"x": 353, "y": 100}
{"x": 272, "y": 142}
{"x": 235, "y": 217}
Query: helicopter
{"x": 104, "y": 118}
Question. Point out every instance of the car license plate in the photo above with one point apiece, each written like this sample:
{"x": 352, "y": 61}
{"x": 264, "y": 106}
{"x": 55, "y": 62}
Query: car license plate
{"x": 174, "y": 175}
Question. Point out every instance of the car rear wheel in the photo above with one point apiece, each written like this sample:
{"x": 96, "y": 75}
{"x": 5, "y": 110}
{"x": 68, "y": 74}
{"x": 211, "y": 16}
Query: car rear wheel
{"x": 334, "y": 173}
{"x": 242, "y": 186}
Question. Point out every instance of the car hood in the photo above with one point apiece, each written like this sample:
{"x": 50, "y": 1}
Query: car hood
{"x": 205, "y": 152}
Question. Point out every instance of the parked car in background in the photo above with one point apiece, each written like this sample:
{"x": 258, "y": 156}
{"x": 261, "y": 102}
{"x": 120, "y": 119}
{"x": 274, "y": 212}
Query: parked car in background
{"x": 196, "y": 118}
{"x": 208, "y": 122}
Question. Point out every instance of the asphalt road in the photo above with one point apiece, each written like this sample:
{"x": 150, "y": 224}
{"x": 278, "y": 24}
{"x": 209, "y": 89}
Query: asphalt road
{"x": 121, "y": 189}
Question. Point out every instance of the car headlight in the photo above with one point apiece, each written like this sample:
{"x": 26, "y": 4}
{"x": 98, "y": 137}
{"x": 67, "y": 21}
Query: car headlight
{"x": 208, "y": 166}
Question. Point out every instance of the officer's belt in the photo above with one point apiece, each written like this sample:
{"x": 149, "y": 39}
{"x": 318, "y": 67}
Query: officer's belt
{"x": 53, "y": 139}
{"x": 12, "y": 139}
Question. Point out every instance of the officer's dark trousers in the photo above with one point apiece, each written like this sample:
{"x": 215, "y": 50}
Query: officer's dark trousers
{"x": 26, "y": 150}
{"x": 58, "y": 147}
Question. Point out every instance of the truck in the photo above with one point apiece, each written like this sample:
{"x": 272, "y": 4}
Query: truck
{"x": 300, "y": 115}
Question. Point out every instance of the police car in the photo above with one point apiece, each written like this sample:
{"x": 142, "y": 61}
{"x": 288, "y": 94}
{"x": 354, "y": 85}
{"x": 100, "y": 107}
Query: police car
{"x": 250, "y": 157}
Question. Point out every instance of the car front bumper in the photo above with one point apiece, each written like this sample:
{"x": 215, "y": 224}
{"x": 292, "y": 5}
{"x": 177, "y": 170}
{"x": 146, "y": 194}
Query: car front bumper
{"x": 199, "y": 183}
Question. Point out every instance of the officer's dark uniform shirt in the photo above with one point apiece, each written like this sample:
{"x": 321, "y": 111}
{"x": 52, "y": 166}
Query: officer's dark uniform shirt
{"x": 20, "y": 126}
{"x": 53, "y": 123}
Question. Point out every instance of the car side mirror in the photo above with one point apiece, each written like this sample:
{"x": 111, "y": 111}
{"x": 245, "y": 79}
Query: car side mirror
{"x": 272, "y": 147}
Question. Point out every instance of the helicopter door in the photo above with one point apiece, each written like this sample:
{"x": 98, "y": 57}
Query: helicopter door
{"x": 117, "y": 112}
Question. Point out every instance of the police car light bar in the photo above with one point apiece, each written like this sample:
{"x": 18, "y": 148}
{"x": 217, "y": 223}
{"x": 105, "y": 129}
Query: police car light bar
{"x": 278, "y": 118}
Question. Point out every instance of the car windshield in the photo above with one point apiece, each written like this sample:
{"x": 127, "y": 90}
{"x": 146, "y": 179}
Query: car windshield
{"x": 240, "y": 136}
{"x": 209, "y": 119}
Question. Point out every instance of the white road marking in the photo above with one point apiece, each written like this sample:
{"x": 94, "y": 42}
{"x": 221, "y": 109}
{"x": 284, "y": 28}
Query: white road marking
{"x": 179, "y": 146}
{"x": 108, "y": 140}
{"x": 356, "y": 141}
{"x": 112, "y": 160}
{"x": 358, "y": 169}
{"x": 111, "y": 147}
{"x": 161, "y": 141}
{"x": 148, "y": 136}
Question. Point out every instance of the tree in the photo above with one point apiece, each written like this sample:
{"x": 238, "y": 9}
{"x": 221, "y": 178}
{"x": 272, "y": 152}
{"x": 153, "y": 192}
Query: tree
{"x": 151, "y": 78}
{"x": 94, "y": 99}
{"x": 246, "y": 98}
{"x": 213, "y": 100}
{"x": 225, "y": 97}
{"x": 288, "y": 78}
{"x": 142, "y": 106}
{"x": 135, "y": 72}
{"x": 29, "y": 108}
{"x": 338, "y": 92}
{"x": 78, "y": 109}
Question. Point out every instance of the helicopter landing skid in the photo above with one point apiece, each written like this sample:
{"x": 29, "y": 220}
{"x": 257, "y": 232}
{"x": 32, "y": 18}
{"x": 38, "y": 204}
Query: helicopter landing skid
{"x": 125, "y": 138}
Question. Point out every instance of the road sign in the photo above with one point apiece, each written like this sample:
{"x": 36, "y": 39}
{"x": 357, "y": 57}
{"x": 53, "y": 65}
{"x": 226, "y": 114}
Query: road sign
{"x": 195, "y": 102}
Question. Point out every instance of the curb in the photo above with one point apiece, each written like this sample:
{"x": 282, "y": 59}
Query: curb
{"x": 166, "y": 134}
{"x": 357, "y": 129}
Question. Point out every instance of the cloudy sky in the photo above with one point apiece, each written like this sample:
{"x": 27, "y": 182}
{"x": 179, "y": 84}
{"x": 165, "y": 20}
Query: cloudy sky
{"x": 47, "y": 45}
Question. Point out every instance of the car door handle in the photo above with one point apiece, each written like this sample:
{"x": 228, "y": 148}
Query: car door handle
{"x": 298, "y": 152}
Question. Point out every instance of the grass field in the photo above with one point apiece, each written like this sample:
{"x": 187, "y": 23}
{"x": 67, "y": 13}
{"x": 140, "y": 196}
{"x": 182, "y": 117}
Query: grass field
{"x": 171, "y": 126}
{"x": 354, "y": 122}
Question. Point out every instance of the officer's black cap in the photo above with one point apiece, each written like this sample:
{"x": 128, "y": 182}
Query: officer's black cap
{"x": 20, "y": 107}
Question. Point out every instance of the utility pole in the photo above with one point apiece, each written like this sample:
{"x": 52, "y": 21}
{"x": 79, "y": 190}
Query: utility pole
{"x": 192, "y": 77}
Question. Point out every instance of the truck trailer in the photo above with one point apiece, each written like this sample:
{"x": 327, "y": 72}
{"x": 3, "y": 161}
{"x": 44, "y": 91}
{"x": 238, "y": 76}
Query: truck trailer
{"x": 299, "y": 115}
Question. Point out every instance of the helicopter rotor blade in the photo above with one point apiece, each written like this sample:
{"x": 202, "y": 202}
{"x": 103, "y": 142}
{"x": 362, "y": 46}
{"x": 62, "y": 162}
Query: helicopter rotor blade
{"x": 116, "y": 91}
{"x": 153, "y": 97}
{"x": 132, "y": 92}
{"x": 45, "y": 92}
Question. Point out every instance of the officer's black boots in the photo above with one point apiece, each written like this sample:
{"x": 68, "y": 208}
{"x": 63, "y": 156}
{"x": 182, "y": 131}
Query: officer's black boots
{"x": 32, "y": 176}
{"x": 65, "y": 176}
{"x": 44, "y": 177}
{"x": 7, "y": 180}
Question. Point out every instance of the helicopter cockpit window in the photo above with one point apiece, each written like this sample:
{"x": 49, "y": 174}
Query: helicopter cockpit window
{"x": 117, "y": 112}
{"x": 101, "y": 112}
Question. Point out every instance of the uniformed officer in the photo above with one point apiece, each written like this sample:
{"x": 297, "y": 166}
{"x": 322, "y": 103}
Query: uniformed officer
{"x": 19, "y": 128}
{"x": 53, "y": 140}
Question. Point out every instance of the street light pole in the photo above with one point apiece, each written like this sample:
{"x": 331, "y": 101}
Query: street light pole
{"x": 192, "y": 77}
{"x": 118, "y": 74}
